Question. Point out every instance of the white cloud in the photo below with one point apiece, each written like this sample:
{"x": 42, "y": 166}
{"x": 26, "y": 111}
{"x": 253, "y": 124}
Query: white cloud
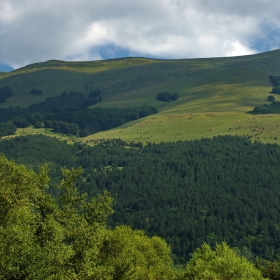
{"x": 234, "y": 48}
{"x": 77, "y": 30}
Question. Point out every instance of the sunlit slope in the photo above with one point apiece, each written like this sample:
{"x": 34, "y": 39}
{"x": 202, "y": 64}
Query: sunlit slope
{"x": 214, "y": 94}
{"x": 54, "y": 77}
{"x": 175, "y": 127}
{"x": 136, "y": 81}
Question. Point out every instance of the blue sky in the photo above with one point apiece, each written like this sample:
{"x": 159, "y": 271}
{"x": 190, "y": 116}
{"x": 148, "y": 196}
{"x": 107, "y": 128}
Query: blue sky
{"x": 104, "y": 29}
{"x": 5, "y": 68}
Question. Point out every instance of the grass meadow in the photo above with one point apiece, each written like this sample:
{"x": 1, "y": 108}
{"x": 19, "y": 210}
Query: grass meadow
{"x": 215, "y": 94}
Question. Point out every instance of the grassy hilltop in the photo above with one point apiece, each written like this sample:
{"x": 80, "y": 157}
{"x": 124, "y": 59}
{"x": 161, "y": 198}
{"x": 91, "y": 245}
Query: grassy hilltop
{"x": 214, "y": 94}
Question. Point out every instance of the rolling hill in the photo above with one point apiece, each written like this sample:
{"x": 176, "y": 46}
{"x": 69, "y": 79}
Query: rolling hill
{"x": 215, "y": 94}
{"x": 220, "y": 189}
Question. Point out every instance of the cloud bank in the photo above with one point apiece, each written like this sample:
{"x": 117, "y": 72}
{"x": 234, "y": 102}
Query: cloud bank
{"x": 100, "y": 29}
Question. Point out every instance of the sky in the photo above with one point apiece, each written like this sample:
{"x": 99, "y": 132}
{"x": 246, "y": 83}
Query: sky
{"x": 83, "y": 30}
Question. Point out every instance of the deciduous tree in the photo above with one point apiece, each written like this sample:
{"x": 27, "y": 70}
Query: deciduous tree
{"x": 220, "y": 264}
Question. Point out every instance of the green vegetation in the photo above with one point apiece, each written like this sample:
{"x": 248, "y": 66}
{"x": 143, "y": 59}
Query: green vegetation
{"x": 276, "y": 90}
{"x": 66, "y": 237}
{"x": 211, "y": 190}
{"x": 218, "y": 90}
{"x": 166, "y": 96}
{"x": 42, "y": 239}
{"x": 65, "y": 100}
{"x": 67, "y": 114}
{"x": 7, "y": 129}
{"x": 219, "y": 264}
{"x": 5, "y": 92}
{"x": 215, "y": 190}
{"x": 36, "y": 92}
{"x": 274, "y": 107}
{"x": 270, "y": 98}
{"x": 275, "y": 80}
{"x": 270, "y": 270}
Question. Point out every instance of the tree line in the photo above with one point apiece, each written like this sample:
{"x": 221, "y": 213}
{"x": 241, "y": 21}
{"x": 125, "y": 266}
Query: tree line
{"x": 68, "y": 114}
{"x": 274, "y": 106}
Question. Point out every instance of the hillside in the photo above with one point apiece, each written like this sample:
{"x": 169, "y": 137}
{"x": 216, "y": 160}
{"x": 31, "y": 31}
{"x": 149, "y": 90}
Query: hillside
{"x": 188, "y": 192}
{"x": 214, "y": 94}
{"x": 67, "y": 237}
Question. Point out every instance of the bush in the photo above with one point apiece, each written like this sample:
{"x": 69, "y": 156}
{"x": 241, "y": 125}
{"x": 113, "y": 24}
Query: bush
{"x": 275, "y": 80}
{"x": 219, "y": 264}
{"x": 84, "y": 132}
{"x": 270, "y": 270}
{"x": 36, "y": 92}
{"x": 166, "y": 96}
{"x": 276, "y": 90}
{"x": 5, "y": 92}
{"x": 89, "y": 102}
{"x": 143, "y": 113}
{"x": 7, "y": 129}
{"x": 66, "y": 128}
{"x": 94, "y": 93}
{"x": 271, "y": 98}
{"x": 21, "y": 122}
{"x": 38, "y": 125}
{"x": 48, "y": 124}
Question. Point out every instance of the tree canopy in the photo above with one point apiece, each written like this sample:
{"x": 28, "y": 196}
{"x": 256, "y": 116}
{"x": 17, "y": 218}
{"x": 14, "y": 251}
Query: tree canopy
{"x": 166, "y": 96}
{"x": 189, "y": 192}
{"x": 220, "y": 264}
{"x": 67, "y": 238}
{"x": 5, "y": 92}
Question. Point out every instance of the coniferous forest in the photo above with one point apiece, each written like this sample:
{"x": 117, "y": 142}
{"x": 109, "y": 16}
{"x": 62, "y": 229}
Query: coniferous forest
{"x": 208, "y": 190}
{"x": 67, "y": 237}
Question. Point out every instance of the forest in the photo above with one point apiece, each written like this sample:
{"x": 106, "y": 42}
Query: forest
{"x": 224, "y": 189}
{"x": 67, "y": 237}
{"x": 69, "y": 114}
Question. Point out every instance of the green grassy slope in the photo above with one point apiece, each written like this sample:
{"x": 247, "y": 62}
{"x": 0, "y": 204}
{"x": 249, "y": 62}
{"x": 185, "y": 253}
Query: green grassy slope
{"x": 214, "y": 94}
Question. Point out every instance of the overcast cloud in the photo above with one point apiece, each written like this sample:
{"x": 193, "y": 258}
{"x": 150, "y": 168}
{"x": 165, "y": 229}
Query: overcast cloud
{"x": 33, "y": 30}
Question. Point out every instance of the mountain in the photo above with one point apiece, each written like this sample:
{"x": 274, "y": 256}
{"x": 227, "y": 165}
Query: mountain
{"x": 215, "y": 94}
{"x": 221, "y": 189}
